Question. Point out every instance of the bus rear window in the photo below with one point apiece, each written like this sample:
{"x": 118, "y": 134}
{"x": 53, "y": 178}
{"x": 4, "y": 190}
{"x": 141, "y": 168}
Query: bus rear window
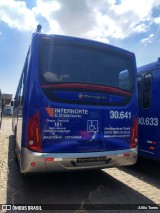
{"x": 78, "y": 64}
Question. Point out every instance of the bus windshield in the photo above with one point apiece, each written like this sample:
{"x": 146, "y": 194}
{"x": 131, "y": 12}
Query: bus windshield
{"x": 59, "y": 63}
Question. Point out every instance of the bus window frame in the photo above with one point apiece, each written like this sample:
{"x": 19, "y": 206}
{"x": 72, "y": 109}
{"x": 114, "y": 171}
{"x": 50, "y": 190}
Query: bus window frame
{"x": 149, "y": 96}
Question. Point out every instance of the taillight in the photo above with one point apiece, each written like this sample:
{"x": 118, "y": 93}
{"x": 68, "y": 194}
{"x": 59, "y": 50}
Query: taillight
{"x": 134, "y": 138}
{"x": 34, "y": 138}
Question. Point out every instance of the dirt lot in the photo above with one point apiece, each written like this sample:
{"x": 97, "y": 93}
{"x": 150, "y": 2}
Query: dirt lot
{"x": 138, "y": 184}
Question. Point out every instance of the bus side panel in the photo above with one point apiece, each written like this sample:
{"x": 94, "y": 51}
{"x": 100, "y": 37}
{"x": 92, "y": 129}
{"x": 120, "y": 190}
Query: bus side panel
{"x": 149, "y": 135}
{"x": 30, "y": 93}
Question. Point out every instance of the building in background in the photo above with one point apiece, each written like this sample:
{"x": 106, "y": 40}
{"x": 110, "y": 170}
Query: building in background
{"x": 1, "y": 108}
{"x": 8, "y": 109}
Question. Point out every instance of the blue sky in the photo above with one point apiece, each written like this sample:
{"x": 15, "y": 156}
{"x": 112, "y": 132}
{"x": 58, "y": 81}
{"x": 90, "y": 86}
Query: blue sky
{"x": 132, "y": 25}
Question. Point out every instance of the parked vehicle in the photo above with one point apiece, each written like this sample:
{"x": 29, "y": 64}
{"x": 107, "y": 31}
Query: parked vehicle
{"x": 1, "y": 108}
{"x": 149, "y": 114}
{"x": 78, "y": 100}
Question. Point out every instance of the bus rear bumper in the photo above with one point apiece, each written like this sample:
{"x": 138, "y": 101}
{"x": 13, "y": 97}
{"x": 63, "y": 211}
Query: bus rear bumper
{"x": 34, "y": 162}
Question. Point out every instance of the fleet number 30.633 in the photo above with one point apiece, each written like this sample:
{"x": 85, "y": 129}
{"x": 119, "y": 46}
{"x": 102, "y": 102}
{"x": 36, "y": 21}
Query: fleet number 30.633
{"x": 148, "y": 121}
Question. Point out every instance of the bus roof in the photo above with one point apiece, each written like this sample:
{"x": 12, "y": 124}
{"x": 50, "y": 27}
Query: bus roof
{"x": 86, "y": 42}
{"x": 150, "y": 66}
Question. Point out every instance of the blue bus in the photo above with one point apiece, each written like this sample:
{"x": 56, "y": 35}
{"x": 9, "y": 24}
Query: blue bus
{"x": 149, "y": 114}
{"x": 76, "y": 106}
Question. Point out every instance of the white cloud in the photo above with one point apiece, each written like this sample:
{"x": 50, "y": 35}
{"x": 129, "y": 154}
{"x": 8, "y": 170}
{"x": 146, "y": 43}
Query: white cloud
{"x": 46, "y": 9}
{"x": 98, "y": 19}
{"x": 147, "y": 40}
{"x": 157, "y": 20}
{"x": 66, "y": 17}
{"x": 95, "y": 19}
{"x": 17, "y": 15}
{"x": 126, "y": 18}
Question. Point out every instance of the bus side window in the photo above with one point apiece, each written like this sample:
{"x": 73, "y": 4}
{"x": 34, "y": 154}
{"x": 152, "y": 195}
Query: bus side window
{"x": 147, "y": 84}
{"x": 24, "y": 76}
{"x": 19, "y": 98}
{"x": 21, "y": 92}
{"x": 139, "y": 90}
{"x": 22, "y": 87}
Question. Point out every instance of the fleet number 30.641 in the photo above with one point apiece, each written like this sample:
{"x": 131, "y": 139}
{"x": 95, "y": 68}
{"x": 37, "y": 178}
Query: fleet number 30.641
{"x": 120, "y": 115}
